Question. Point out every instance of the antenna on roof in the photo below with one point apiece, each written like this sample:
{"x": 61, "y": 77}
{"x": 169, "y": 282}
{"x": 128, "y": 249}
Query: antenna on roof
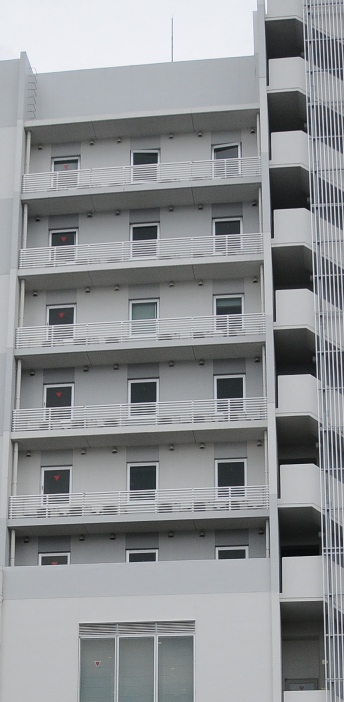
{"x": 172, "y": 38}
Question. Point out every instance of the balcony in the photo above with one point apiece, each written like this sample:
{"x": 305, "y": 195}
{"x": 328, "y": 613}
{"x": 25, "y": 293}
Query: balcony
{"x": 305, "y": 696}
{"x": 285, "y": 8}
{"x": 200, "y": 336}
{"x": 135, "y": 186}
{"x": 289, "y": 169}
{"x": 300, "y": 486}
{"x": 297, "y": 410}
{"x": 125, "y": 506}
{"x": 302, "y": 578}
{"x": 292, "y": 247}
{"x": 110, "y": 424}
{"x": 295, "y": 327}
{"x": 287, "y": 74}
{"x": 163, "y": 258}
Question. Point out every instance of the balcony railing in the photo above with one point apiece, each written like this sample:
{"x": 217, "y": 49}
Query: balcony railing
{"x": 139, "y": 502}
{"x": 105, "y": 333}
{"x": 161, "y": 414}
{"x": 141, "y": 251}
{"x": 118, "y": 176}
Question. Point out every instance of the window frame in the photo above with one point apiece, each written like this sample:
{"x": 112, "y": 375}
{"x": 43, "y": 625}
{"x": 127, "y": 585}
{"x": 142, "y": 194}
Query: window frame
{"x": 139, "y": 301}
{"x": 226, "y": 145}
{"x": 227, "y": 219}
{"x": 144, "y": 151}
{"x": 61, "y": 231}
{"x": 135, "y": 464}
{"x": 64, "y": 159}
{"x": 231, "y": 548}
{"x": 141, "y": 225}
{"x": 230, "y": 375}
{"x": 54, "y": 553}
{"x": 142, "y": 380}
{"x": 57, "y": 385}
{"x": 67, "y": 305}
{"x": 225, "y": 297}
{"x": 51, "y": 468}
{"x": 229, "y": 460}
{"x": 129, "y": 551}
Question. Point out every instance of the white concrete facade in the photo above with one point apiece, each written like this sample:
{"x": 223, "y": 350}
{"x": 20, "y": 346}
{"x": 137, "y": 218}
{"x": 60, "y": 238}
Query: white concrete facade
{"x": 160, "y": 385}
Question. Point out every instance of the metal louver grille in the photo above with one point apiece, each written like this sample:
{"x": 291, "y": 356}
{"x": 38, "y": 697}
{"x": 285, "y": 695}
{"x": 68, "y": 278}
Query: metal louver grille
{"x": 109, "y": 630}
{"x": 324, "y": 51}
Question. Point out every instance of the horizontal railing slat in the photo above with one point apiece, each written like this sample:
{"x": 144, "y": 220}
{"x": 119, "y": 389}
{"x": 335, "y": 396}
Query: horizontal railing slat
{"x": 105, "y": 333}
{"x": 139, "y": 502}
{"x": 136, "y": 251}
{"x": 249, "y": 167}
{"x": 139, "y": 414}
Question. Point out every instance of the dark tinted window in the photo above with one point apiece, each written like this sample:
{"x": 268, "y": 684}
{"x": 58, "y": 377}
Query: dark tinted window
{"x": 141, "y": 158}
{"x": 142, "y": 477}
{"x": 58, "y": 396}
{"x": 230, "y": 473}
{"x": 226, "y": 151}
{"x": 227, "y": 226}
{"x": 55, "y": 559}
{"x": 228, "y": 305}
{"x": 56, "y": 481}
{"x": 226, "y": 554}
{"x": 61, "y": 315}
{"x": 66, "y": 238}
{"x": 143, "y": 392}
{"x": 68, "y": 164}
{"x": 229, "y": 387}
{"x": 139, "y": 557}
{"x": 144, "y": 233}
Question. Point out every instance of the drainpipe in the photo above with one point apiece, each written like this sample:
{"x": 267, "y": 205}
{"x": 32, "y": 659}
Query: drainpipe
{"x": 21, "y": 303}
{"x": 27, "y": 152}
{"x": 18, "y": 383}
{"x": 24, "y": 228}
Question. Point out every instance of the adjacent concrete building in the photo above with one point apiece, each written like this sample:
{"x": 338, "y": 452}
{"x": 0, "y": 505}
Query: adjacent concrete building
{"x": 171, "y": 358}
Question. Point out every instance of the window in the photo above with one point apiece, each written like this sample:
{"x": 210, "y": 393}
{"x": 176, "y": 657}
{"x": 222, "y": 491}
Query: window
{"x": 142, "y": 555}
{"x": 143, "y": 393}
{"x": 227, "y": 233}
{"x": 143, "y": 314}
{"x": 58, "y": 395}
{"x": 53, "y": 559}
{"x": 228, "y": 388}
{"x": 60, "y": 315}
{"x": 66, "y": 164}
{"x": 230, "y": 473}
{"x": 63, "y": 237}
{"x": 56, "y": 481}
{"x": 144, "y": 239}
{"x": 66, "y": 172}
{"x": 228, "y": 311}
{"x": 131, "y": 667}
{"x": 224, "y": 553}
{"x": 301, "y": 684}
{"x": 142, "y": 480}
{"x": 145, "y": 164}
{"x": 227, "y": 157}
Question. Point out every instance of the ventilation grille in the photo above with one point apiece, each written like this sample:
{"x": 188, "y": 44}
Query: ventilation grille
{"x": 109, "y": 630}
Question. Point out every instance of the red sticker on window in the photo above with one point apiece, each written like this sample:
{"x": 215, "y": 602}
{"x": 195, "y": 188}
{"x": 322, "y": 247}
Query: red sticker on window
{"x": 97, "y": 663}
{"x": 57, "y": 477}
{"x": 59, "y": 394}
{"x": 61, "y": 315}
{"x": 65, "y": 166}
{"x": 53, "y": 563}
{"x": 63, "y": 238}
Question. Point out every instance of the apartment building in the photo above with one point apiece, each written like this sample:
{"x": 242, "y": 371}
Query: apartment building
{"x": 171, "y": 361}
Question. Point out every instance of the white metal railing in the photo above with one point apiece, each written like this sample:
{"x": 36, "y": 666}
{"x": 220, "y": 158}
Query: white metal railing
{"x": 139, "y": 502}
{"x": 105, "y": 333}
{"x": 138, "y": 175}
{"x": 195, "y": 412}
{"x": 136, "y": 251}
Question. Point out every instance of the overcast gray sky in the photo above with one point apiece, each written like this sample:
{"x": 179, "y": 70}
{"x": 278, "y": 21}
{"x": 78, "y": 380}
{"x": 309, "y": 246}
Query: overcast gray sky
{"x": 61, "y": 35}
